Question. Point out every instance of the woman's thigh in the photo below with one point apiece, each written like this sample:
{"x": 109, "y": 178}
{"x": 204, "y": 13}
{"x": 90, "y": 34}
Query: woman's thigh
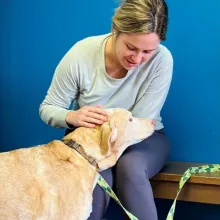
{"x": 146, "y": 157}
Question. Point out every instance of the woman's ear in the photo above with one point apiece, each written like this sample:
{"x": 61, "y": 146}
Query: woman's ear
{"x": 108, "y": 136}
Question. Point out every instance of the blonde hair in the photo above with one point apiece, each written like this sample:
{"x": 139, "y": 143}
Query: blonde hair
{"x": 141, "y": 16}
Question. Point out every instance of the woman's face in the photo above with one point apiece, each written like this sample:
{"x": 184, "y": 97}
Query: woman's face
{"x": 134, "y": 49}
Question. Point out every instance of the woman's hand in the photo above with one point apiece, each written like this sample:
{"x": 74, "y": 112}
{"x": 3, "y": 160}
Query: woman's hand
{"x": 87, "y": 116}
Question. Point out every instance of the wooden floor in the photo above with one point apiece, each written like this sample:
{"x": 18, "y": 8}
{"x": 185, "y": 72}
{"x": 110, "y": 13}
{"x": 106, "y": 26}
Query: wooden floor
{"x": 203, "y": 187}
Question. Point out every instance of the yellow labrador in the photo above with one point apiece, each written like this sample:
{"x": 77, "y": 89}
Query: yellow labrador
{"x": 55, "y": 181}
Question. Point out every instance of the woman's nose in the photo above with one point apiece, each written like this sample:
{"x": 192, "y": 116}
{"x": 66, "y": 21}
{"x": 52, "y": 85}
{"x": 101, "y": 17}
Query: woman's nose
{"x": 137, "y": 58}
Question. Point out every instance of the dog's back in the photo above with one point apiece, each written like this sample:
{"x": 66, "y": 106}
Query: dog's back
{"x": 44, "y": 182}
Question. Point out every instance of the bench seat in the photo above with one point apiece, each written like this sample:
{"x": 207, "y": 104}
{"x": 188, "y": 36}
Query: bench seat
{"x": 202, "y": 187}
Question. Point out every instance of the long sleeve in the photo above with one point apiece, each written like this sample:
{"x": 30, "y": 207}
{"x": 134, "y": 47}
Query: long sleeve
{"x": 74, "y": 72}
{"x": 61, "y": 93}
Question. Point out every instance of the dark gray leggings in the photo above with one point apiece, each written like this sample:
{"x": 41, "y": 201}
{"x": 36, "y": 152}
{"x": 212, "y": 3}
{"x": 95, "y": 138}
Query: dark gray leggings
{"x": 131, "y": 178}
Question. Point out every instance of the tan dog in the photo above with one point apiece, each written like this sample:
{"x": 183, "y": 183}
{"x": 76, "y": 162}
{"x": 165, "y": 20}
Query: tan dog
{"x": 53, "y": 181}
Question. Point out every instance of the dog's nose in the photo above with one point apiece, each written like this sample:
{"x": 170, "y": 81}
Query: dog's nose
{"x": 153, "y": 122}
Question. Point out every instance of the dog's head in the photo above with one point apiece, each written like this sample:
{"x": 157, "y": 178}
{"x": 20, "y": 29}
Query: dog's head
{"x": 122, "y": 129}
{"x": 114, "y": 136}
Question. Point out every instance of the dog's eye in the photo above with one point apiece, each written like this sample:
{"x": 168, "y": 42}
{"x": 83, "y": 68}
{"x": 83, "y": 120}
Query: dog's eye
{"x": 130, "y": 119}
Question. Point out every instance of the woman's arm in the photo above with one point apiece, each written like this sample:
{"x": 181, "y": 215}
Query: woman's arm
{"x": 61, "y": 93}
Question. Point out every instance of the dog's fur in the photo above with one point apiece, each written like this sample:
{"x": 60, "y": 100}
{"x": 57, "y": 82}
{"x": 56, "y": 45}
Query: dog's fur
{"x": 53, "y": 181}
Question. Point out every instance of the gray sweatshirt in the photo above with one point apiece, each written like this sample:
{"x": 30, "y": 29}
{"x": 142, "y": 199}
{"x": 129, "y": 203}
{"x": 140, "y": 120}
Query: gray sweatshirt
{"x": 81, "y": 78}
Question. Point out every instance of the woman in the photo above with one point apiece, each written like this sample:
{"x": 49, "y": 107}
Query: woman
{"x": 127, "y": 68}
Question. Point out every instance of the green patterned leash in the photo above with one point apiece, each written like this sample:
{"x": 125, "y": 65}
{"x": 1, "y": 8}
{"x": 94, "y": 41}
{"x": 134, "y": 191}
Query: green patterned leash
{"x": 108, "y": 189}
{"x": 201, "y": 169}
{"x": 193, "y": 170}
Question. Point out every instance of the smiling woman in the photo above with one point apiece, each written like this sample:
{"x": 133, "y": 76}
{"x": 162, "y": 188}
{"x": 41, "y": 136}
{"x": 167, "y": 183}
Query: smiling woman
{"x": 97, "y": 73}
{"x": 147, "y": 21}
{"x": 126, "y": 51}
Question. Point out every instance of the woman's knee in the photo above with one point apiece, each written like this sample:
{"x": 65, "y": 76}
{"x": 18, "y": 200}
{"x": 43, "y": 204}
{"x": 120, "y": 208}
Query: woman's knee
{"x": 132, "y": 171}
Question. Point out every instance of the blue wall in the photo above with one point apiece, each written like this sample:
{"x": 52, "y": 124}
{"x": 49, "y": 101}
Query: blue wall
{"x": 34, "y": 35}
{"x": 191, "y": 114}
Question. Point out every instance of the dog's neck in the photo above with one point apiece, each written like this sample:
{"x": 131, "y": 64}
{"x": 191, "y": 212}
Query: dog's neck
{"x": 90, "y": 140}
{"x": 77, "y": 147}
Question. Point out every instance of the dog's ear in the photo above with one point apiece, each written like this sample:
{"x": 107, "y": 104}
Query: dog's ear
{"x": 108, "y": 135}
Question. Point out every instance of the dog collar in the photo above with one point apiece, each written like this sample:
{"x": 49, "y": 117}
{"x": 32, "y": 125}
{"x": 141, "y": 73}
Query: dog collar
{"x": 77, "y": 147}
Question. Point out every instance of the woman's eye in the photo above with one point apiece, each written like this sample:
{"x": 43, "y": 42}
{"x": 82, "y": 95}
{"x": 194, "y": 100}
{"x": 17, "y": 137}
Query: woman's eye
{"x": 130, "y": 48}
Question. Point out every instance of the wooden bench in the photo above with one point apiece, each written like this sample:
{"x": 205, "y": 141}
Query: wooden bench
{"x": 203, "y": 187}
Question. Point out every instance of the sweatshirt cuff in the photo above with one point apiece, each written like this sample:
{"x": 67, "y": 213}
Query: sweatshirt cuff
{"x": 61, "y": 118}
